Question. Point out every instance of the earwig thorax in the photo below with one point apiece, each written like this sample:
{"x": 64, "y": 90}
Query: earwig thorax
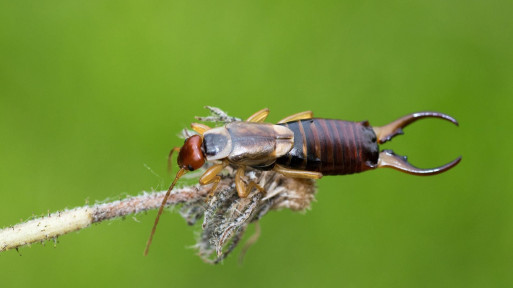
{"x": 217, "y": 143}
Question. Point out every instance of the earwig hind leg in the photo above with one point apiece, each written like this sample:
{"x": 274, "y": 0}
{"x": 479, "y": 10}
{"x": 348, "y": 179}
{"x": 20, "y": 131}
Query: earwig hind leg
{"x": 242, "y": 190}
{"x": 199, "y": 128}
{"x": 298, "y": 116}
{"x": 169, "y": 159}
{"x": 259, "y": 116}
{"x": 297, "y": 173}
{"x": 210, "y": 177}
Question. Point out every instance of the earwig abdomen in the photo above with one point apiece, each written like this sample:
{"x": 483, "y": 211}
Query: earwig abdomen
{"x": 332, "y": 147}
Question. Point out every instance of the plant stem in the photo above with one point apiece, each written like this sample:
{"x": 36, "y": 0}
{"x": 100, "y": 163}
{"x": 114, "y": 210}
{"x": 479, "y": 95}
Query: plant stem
{"x": 63, "y": 222}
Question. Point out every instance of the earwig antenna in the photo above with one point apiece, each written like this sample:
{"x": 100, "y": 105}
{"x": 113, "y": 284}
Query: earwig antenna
{"x": 170, "y": 159}
{"x": 180, "y": 173}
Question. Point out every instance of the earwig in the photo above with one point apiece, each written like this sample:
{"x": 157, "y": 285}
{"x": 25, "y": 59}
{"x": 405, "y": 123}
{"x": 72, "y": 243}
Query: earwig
{"x": 298, "y": 146}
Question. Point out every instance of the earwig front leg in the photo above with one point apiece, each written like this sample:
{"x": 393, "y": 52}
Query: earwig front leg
{"x": 199, "y": 128}
{"x": 297, "y": 173}
{"x": 259, "y": 116}
{"x": 210, "y": 176}
{"x": 298, "y": 116}
{"x": 242, "y": 190}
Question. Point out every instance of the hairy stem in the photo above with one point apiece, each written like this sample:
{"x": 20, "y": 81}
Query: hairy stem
{"x": 63, "y": 222}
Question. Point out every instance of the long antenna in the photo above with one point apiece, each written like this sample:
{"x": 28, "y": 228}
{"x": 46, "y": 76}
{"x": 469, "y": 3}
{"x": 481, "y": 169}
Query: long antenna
{"x": 178, "y": 175}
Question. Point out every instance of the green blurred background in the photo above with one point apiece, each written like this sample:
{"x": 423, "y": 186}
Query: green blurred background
{"x": 94, "y": 92}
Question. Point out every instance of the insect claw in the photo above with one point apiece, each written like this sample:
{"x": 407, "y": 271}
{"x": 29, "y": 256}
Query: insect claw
{"x": 387, "y": 158}
{"x": 389, "y": 131}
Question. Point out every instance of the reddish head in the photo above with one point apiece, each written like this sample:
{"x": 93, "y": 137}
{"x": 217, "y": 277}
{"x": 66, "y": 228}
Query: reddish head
{"x": 191, "y": 156}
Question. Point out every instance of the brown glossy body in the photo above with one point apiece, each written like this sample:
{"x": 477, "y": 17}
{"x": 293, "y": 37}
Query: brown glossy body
{"x": 299, "y": 146}
{"x": 331, "y": 147}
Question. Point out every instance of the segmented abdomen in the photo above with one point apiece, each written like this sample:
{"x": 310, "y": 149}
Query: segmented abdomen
{"x": 332, "y": 147}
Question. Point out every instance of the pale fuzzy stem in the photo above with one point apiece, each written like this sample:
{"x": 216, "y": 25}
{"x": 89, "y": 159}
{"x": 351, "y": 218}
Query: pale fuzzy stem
{"x": 45, "y": 228}
{"x": 59, "y": 223}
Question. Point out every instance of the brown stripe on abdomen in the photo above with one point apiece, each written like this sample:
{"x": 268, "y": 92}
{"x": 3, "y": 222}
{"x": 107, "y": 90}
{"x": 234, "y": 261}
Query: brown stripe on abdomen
{"x": 332, "y": 147}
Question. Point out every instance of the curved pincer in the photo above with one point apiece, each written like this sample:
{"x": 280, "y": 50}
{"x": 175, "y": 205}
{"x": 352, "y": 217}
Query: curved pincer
{"x": 389, "y": 131}
{"x": 387, "y": 158}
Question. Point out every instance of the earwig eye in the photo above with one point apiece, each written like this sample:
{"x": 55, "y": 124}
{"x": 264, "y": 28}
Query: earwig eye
{"x": 190, "y": 168}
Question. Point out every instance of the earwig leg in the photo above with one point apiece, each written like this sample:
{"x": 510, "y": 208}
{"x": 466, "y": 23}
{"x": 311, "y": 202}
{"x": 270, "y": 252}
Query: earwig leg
{"x": 298, "y": 116}
{"x": 242, "y": 190}
{"x": 259, "y": 116}
{"x": 297, "y": 173}
{"x": 252, "y": 185}
{"x": 199, "y": 128}
{"x": 169, "y": 159}
{"x": 210, "y": 176}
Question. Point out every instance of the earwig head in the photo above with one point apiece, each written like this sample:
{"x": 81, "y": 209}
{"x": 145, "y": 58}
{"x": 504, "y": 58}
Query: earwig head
{"x": 191, "y": 156}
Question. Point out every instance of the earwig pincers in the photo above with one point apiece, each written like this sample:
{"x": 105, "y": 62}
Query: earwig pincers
{"x": 298, "y": 146}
